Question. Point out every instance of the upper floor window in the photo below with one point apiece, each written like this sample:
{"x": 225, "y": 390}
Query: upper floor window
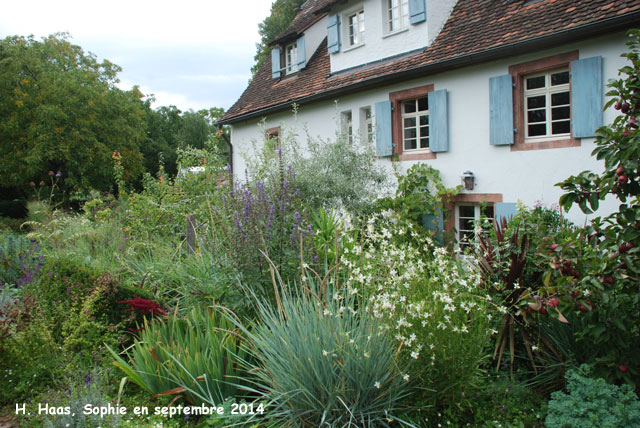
{"x": 290, "y": 58}
{"x": 355, "y": 28}
{"x": 547, "y": 105}
{"x": 397, "y": 14}
{"x": 415, "y": 124}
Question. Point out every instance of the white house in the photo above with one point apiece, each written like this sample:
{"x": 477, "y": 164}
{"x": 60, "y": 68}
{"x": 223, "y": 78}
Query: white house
{"x": 509, "y": 90}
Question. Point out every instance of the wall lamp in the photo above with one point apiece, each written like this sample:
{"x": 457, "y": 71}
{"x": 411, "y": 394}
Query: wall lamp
{"x": 469, "y": 180}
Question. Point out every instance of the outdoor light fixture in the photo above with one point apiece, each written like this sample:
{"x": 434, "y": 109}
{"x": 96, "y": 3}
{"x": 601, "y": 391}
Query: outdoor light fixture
{"x": 468, "y": 179}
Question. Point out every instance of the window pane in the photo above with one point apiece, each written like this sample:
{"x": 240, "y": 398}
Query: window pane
{"x": 537, "y": 130}
{"x": 410, "y": 145}
{"x": 410, "y": 133}
{"x": 536, "y": 82}
{"x": 409, "y": 106}
{"x": 424, "y": 131}
{"x": 467, "y": 211}
{"x": 536, "y": 102}
{"x": 424, "y": 143}
{"x": 534, "y": 116}
{"x": 560, "y": 78}
{"x": 561, "y": 127}
{"x": 560, "y": 113}
{"x": 466, "y": 224}
{"x": 561, "y": 98}
{"x": 409, "y": 122}
{"x": 424, "y": 120}
{"x": 423, "y": 104}
{"x": 487, "y": 211}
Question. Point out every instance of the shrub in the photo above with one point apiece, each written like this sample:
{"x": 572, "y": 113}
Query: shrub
{"x": 196, "y": 357}
{"x": 21, "y": 260}
{"x": 593, "y": 403}
{"x": 321, "y": 359}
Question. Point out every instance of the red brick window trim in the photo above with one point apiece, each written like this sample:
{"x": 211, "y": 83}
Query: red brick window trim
{"x": 490, "y": 199}
{"x": 519, "y": 72}
{"x": 396, "y": 99}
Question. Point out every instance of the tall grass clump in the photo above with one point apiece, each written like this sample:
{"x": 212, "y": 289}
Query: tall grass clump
{"x": 322, "y": 360}
{"x": 195, "y": 357}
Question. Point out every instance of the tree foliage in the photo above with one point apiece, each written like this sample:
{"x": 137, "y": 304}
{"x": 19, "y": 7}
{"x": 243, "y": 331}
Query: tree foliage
{"x": 282, "y": 14}
{"x": 60, "y": 110}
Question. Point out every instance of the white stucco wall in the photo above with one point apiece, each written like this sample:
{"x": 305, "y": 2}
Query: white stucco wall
{"x": 528, "y": 176}
{"x": 378, "y": 45}
{"x": 437, "y": 13}
{"x": 313, "y": 36}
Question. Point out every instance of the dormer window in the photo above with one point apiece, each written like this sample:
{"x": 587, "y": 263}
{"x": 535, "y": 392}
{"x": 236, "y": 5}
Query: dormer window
{"x": 355, "y": 25}
{"x": 397, "y": 15}
{"x": 290, "y": 58}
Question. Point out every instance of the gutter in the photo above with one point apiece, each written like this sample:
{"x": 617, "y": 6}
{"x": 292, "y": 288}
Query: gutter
{"x": 538, "y": 43}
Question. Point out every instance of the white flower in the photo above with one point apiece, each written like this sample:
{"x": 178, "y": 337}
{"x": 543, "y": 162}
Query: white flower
{"x": 534, "y": 348}
{"x": 406, "y": 378}
{"x": 324, "y": 353}
{"x": 415, "y": 355}
{"x": 377, "y": 385}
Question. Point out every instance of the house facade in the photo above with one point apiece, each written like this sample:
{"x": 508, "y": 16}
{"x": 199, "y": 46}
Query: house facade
{"x": 509, "y": 92}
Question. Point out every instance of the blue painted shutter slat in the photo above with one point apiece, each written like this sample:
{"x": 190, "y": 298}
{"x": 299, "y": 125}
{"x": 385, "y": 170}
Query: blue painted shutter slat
{"x": 333, "y": 33}
{"x": 417, "y": 11}
{"x": 438, "y": 121}
{"x": 384, "y": 145}
{"x": 501, "y": 110}
{"x": 301, "y": 53}
{"x": 275, "y": 63}
{"x": 505, "y": 210}
{"x": 586, "y": 96}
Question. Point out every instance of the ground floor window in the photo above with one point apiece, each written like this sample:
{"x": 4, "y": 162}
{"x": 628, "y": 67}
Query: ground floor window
{"x": 468, "y": 218}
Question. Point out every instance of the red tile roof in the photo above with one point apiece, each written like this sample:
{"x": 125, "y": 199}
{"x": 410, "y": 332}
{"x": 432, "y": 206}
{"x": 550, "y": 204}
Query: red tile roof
{"x": 477, "y": 30}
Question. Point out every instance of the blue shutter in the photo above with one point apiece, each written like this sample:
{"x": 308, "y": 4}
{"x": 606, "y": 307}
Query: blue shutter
{"x": 435, "y": 224}
{"x": 501, "y": 110}
{"x": 417, "y": 11}
{"x": 438, "y": 121}
{"x": 586, "y": 96}
{"x": 505, "y": 210}
{"x": 301, "y": 53}
{"x": 333, "y": 33}
{"x": 384, "y": 145}
{"x": 275, "y": 63}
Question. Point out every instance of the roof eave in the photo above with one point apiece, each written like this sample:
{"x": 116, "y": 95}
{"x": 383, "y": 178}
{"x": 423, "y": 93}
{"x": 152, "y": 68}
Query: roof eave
{"x": 543, "y": 42}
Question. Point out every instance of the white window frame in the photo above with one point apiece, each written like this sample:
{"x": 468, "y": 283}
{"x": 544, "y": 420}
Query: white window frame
{"x": 356, "y": 38}
{"x": 290, "y": 58}
{"x": 395, "y": 15}
{"x": 477, "y": 216}
{"x": 419, "y": 128}
{"x": 366, "y": 124}
{"x": 346, "y": 119}
{"x": 548, "y": 90}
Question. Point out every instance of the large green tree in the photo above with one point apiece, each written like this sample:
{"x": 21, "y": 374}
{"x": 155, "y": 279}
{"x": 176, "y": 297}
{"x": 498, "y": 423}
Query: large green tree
{"x": 61, "y": 111}
{"x": 282, "y": 14}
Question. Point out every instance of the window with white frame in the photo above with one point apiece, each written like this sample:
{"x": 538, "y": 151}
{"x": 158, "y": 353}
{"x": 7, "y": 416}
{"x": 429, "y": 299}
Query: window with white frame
{"x": 415, "y": 124}
{"x": 346, "y": 119}
{"x": 366, "y": 124}
{"x": 397, "y": 15}
{"x": 547, "y": 105}
{"x": 468, "y": 217}
{"x": 355, "y": 28}
{"x": 290, "y": 62}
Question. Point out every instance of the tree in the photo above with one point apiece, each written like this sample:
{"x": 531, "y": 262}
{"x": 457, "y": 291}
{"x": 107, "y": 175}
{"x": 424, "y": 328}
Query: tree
{"x": 282, "y": 14}
{"x": 61, "y": 111}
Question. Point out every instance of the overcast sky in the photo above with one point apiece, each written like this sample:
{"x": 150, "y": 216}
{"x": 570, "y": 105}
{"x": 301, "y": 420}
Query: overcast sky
{"x": 192, "y": 53}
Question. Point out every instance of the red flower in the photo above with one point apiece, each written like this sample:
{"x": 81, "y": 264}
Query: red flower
{"x": 623, "y": 368}
{"x": 144, "y": 306}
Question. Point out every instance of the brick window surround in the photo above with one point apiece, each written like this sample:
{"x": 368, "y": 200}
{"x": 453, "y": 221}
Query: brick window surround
{"x": 519, "y": 72}
{"x": 466, "y": 198}
{"x": 396, "y": 99}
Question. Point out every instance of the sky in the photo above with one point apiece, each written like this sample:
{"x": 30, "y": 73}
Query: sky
{"x": 193, "y": 54}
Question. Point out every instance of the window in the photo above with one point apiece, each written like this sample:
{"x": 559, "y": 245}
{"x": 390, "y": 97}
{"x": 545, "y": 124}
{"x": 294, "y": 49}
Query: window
{"x": 415, "y": 124}
{"x": 547, "y": 105}
{"x": 468, "y": 217}
{"x": 290, "y": 58}
{"x": 366, "y": 124}
{"x": 272, "y": 135}
{"x": 397, "y": 15}
{"x": 355, "y": 28}
{"x": 346, "y": 121}
{"x": 542, "y": 110}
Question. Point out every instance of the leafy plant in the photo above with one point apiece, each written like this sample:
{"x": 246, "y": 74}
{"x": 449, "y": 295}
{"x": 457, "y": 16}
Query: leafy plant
{"x": 592, "y": 403}
{"x": 195, "y": 358}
